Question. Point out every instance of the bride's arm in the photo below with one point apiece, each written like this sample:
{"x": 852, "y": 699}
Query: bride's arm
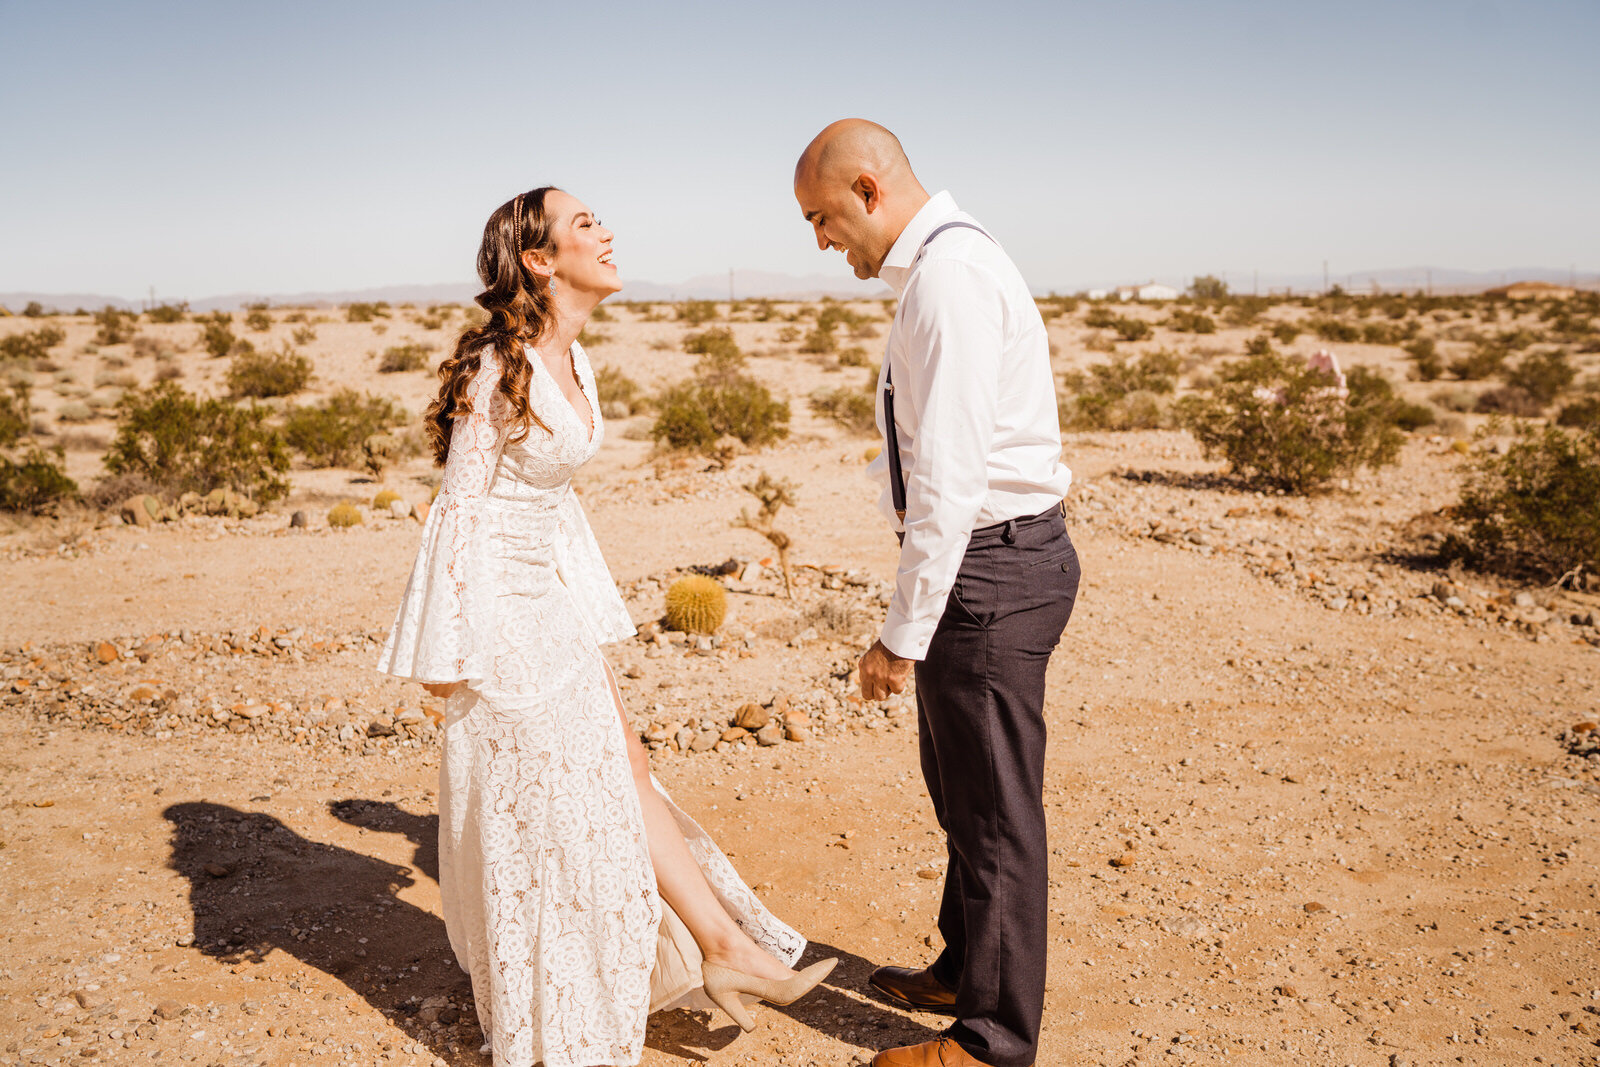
{"x": 476, "y": 441}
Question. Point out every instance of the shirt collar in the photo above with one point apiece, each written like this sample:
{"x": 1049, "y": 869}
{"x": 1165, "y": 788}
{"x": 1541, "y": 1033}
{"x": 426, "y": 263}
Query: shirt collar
{"x": 896, "y": 269}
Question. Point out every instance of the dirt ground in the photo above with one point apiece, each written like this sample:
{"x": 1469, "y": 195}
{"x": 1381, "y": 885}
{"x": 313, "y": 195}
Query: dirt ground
{"x": 1309, "y": 801}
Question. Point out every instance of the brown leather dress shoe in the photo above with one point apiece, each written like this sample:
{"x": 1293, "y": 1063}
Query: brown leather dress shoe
{"x": 940, "y": 1053}
{"x": 914, "y": 990}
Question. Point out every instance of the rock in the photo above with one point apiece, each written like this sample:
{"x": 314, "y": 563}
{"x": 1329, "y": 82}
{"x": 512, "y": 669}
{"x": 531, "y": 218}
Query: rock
{"x": 1443, "y": 590}
{"x": 735, "y": 733}
{"x": 928, "y": 874}
{"x": 1524, "y": 600}
{"x": 218, "y": 870}
{"x": 431, "y": 1010}
{"x": 379, "y": 728}
{"x": 106, "y": 652}
{"x": 751, "y": 572}
{"x": 683, "y": 738}
{"x": 1127, "y": 859}
{"x": 420, "y": 512}
{"x": 1287, "y": 991}
{"x": 752, "y": 716}
{"x": 400, "y": 509}
{"x": 797, "y": 732}
{"x": 299, "y": 520}
{"x": 170, "y": 1009}
{"x": 770, "y": 734}
{"x": 1312, "y": 907}
{"x": 141, "y": 509}
{"x": 87, "y": 999}
{"x": 705, "y": 740}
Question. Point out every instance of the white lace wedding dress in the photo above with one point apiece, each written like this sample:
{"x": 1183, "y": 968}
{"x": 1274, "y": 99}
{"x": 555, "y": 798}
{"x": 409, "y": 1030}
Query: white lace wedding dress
{"x": 549, "y": 897}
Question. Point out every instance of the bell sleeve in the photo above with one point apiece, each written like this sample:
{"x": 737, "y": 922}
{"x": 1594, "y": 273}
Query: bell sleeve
{"x": 583, "y": 571}
{"x": 434, "y": 638}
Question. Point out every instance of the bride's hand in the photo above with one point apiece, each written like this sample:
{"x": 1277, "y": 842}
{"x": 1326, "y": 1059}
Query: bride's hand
{"x": 442, "y": 690}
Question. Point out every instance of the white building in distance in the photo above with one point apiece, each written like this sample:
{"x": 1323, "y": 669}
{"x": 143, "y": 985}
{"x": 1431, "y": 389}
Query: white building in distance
{"x": 1147, "y": 291}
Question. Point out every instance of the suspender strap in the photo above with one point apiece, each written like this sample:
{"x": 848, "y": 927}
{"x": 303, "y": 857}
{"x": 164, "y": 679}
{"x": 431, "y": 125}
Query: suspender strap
{"x": 897, "y": 478}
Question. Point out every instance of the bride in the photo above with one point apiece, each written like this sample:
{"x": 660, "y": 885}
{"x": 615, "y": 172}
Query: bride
{"x": 576, "y": 894}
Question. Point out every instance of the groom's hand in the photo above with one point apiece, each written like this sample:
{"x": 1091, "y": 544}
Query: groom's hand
{"x": 882, "y": 672}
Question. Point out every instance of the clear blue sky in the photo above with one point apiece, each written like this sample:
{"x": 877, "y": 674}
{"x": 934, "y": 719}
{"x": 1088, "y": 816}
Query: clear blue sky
{"x": 217, "y": 147}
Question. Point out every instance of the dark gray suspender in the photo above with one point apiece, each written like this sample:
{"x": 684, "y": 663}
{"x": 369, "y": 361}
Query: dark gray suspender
{"x": 897, "y": 479}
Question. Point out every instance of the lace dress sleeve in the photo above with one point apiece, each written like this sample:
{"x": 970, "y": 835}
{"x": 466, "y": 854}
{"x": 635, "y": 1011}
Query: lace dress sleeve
{"x": 584, "y": 572}
{"x": 432, "y": 637}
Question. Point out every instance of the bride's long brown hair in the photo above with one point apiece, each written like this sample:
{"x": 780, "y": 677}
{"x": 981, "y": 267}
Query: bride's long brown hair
{"x": 519, "y": 306}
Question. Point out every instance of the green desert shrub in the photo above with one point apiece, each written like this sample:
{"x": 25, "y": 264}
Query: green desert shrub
{"x": 1332, "y": 329}
{"x": 1281, "y": 422}
{"x": 185, "y": 444}
{"x": 113, "y": 326}
{"x": 362, "y": 312}
{"x": 1100, "y": 317}
{"x": 620, "y": 396}
{"x": 697, "y": 312}
{"x": 34, "y": 482}
{"x": 717, "y": 343}
{"x": 601, "y": 314}
{"x": 1534, "y": 511}
{"x": 1487, "y": 358}
{"x": 719, "y": 400}
{"x": 593, "y": 338}
{"x": 16, "y": 414}
{"x": 1285, "y": 332}
{"x": 304, "y": 335}
{"x": 331, "y": 432}
{"x": 216, "y": 335}
{"x": 1130, "y": 329}
{"x": 407, "y": 357}
{"x": 263, "y": 374}
{"x": 1542, "y": 375}
{"x": 1122, "y": 394}
{"x": 819, "y": 341}
{"x": 1425, "y": 359}
{"x": 854, "y": 356}
{"x": 1581, "y": 414}
{"x": 168, "y": 313}
{"x": 31, "y": 345}
{"x": 258, "y": 319}
{"x": 1509, "y": 400}
{"x": 854, "y": 409}
{"x": 1186, "y": 320}
{"x": 1258, "y": 345}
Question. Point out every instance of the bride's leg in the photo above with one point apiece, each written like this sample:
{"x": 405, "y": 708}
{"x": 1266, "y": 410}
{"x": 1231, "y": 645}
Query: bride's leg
{"x": 679, "y": 878}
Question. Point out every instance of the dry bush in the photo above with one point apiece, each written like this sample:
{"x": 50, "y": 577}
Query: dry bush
{"x": 619, "y": 395}
{"x": 1425, "y": 361}
{"x": 1535, "y": 511}
{"x": 258, "y": 320}
{"x": 331, "y": 433}
{"x": 185, "y": 444}
{"x": 854, "y": 409}
{"x": 407, "y": 357}
{"x": 361, "y": 312}
{"x": 114, "y": 326}
{"x": 167, "y": 313}
{"x": 1285, "y": 332}
{"x": 697, "y": 312}
{"x": 721, "y": 400}
{"x": 1185, "y": 320}
{"x": 31, "y": 346}
{"x": 216, "y": 336}
{"x": 1121, "y": 394}
{"x": 266, "y": 374}
{"x": 1542, "y": 375}
{"x": 1332, "y": 329}
{"x": 1281, "y": 423}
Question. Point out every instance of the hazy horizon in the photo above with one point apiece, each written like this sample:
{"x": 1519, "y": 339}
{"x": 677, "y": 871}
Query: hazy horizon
{"x": 206, "y": 151}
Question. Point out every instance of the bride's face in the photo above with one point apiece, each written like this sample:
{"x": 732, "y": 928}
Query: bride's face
{"x": 582, "y": 259}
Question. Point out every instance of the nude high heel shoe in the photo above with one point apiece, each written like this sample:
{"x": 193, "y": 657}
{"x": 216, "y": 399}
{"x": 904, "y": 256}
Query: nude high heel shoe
{"x": 724, "y": 984}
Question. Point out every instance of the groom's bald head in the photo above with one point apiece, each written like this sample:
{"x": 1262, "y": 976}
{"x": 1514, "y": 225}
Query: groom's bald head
{"x": 850, "y": 147}
{"x": 856, "y": 188}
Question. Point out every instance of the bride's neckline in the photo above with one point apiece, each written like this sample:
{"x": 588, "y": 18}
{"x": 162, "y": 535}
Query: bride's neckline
{"x": 587, "y": 421}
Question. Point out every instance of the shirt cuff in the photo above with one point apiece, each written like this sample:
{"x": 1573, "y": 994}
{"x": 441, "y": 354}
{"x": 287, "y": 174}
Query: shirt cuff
{"x": 907, "y": 639}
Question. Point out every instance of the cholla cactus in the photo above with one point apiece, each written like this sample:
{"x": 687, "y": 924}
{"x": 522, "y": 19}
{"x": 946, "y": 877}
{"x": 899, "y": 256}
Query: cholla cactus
{"x": 696, "y": 605}
{"x": 773, "y": 496}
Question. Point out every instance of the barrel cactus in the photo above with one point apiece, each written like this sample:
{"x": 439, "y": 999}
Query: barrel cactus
{"x": 345, "y": 514}
{"x": 384, "y": 498}
{"x": 696, "y": 605}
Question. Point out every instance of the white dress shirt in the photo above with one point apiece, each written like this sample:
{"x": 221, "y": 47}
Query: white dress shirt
{"x": 975, "y": 409}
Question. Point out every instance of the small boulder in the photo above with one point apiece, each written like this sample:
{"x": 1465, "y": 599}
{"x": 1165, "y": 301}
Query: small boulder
{"x": 770, "y": 734}
{"x": 106, "y": 652}
{"x": 751, "y": 717}
{"x": 299, "y": 520}
{"x": 400, "y": 509}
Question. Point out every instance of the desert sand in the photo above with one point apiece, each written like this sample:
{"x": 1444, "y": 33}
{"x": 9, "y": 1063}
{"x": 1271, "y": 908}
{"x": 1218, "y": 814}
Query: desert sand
{"x": 1310, "y": 802}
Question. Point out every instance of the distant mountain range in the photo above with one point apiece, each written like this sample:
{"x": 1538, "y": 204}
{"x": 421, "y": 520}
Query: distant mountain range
{"x": 748, "y": 284}
{"x": 745, "y": 285}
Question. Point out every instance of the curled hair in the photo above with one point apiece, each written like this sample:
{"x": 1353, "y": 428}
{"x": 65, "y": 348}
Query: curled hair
{"x": 519, "y": 306}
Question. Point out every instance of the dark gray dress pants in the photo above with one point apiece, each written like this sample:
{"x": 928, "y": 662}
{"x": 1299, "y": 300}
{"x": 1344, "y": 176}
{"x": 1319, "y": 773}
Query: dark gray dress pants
{"x": 980, "y": 722}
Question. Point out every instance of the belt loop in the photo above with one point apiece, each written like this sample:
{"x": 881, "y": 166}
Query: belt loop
{"x": 1009, "y": 534}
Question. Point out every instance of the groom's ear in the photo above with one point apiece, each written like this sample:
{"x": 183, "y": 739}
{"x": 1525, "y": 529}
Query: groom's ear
{"x": 867, "y": 190}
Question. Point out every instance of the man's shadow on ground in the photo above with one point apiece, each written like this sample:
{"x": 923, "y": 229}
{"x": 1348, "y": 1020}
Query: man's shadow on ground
{"x": 256, "y": 885}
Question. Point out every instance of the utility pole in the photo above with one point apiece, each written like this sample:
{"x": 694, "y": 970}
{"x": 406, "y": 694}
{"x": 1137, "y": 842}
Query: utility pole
{"x": 730, "y": 285}
{"x": 1430, "y": 281}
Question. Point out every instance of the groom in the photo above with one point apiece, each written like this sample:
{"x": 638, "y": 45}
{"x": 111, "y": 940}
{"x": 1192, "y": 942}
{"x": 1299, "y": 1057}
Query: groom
{"x": 987, "y": 576}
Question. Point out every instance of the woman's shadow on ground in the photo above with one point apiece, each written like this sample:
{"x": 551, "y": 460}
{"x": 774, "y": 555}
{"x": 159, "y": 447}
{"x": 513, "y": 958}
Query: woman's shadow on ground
{"x": 256, "y": 885}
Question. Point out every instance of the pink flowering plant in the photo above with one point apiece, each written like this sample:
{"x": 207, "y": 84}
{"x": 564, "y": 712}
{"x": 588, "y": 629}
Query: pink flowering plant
{"x": 1292, "y": 424}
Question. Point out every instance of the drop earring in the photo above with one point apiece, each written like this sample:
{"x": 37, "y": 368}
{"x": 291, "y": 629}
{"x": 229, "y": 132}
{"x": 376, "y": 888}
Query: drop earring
{"x": 552, "y": 285}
